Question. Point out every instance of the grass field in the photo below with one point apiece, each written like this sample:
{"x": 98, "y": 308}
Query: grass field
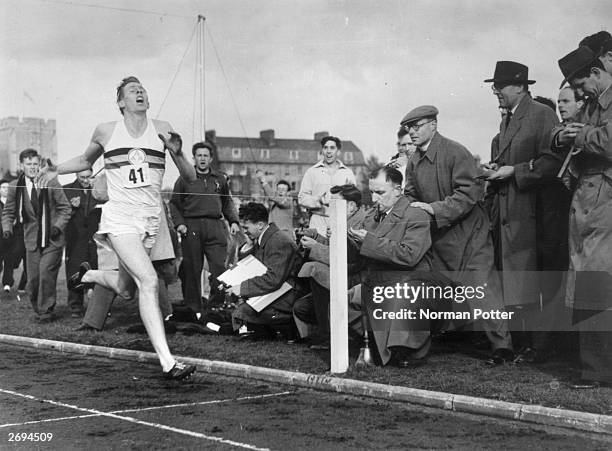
{"x": 456, "y": 367}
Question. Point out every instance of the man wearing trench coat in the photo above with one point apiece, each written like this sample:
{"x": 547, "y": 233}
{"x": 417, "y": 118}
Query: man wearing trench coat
{"x": 441, "y": 179}
{"x": 524, "y": 200}
{"x": 589, "y": 288}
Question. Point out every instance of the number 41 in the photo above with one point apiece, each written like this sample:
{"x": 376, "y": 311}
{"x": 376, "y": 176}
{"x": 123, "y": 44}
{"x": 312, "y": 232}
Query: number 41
{"x": 133, "y": 178}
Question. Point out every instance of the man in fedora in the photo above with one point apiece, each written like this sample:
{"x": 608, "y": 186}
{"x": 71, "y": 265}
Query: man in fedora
{"x": 441, "y": 180}
{"x": 601, "y": 44}
{"x": 589, "y": 284}
{"x": 523, "y": 201}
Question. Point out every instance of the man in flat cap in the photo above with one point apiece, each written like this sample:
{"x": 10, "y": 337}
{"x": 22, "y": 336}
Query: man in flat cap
{"x": 589, "y": 287}
{"x": 525, "y": 204}
{"x": 441, "y": 180}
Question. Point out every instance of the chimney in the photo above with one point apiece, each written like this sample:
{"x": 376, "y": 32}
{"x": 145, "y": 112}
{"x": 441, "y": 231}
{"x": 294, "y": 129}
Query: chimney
{"x": 268, "y": 137}
{"x": 318, "y": 136}
{"x": 211, "y": 136}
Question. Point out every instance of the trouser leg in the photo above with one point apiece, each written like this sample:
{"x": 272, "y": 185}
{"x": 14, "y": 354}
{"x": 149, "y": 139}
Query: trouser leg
{"x": 32, "y": 265}
{"x": 303, "y": 309}
{"x": 193, "y": 257}
{"x": 320, "y": 298}
{"x": 76, "y": 253}
{"x": 497, "y": 330}
{"x": 8, "y": 259}
{"x": 595, "y": 344}
{"x": 215, "y": 249}
{"x": 50, "y": 262}
{"x": 98, "y": 306}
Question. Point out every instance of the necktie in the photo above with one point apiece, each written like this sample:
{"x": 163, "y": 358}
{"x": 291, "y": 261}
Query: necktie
{"x": 381, "y": 216}
{"x": 508, "y": 118}
{"x": 34, "y": 197}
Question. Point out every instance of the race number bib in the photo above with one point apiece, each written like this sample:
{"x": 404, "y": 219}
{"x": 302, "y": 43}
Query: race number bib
{"x": 136, "y": 174}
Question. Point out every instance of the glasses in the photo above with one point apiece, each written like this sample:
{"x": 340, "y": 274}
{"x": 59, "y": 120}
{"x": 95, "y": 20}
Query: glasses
{"x": 499, "y": 86}
{"x": 416, "y": 127}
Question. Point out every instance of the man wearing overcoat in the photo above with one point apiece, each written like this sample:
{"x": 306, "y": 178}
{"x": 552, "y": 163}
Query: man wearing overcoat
{"x": 525, "y": 201}
{"x": 394, "y": 242}
{"x": 441, "y": 180}
{"x": 589, "y": 285}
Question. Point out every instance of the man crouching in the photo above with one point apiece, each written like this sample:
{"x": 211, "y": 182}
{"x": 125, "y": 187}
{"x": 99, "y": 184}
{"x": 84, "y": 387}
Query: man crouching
{"x": 279, "y": 254}
{"x": 395, "y": 243}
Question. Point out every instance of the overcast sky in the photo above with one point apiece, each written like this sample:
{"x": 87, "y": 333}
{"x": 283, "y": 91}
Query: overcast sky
{"x": 353, "y": 68}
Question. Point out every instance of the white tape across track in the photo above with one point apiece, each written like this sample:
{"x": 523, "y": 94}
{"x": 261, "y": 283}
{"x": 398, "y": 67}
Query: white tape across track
{"x": 114, "y": 414}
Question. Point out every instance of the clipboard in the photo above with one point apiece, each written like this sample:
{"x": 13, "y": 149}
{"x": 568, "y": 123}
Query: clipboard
{"x": 245, "y": 269}
{"x": 258, "y": 303}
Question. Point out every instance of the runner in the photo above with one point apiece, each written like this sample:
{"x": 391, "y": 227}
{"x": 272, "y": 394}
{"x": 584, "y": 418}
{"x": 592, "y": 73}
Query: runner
{"x": 134, "y": 160}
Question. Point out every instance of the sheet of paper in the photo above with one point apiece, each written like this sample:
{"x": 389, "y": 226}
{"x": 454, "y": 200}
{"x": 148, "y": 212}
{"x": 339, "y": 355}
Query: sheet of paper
{"x": 261, "y": 302}
{"x": 245, "y": 269}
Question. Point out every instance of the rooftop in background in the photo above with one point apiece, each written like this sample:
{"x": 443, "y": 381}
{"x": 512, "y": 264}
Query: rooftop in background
{"x": 279, "y": 147}
{"x": 278, "y": 158}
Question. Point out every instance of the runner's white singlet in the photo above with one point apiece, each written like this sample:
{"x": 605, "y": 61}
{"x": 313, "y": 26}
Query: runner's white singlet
{"x": 134, "y": 171}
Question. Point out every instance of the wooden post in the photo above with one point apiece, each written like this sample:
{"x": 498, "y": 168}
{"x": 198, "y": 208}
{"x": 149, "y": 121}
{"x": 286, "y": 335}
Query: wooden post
{"x": 338, "y": 306}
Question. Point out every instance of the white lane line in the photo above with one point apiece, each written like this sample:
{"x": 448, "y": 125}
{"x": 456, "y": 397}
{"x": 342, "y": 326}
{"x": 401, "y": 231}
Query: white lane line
{"x": 136, "y": 421}
{"x": 169, "y": 406}
{"x": 48, "y": 420}
{"x": 216, "y": 401}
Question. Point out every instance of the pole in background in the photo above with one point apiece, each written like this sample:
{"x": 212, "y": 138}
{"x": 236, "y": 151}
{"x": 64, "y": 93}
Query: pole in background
{"x": 338, "y": 306}
{"x": 200, "y": 59}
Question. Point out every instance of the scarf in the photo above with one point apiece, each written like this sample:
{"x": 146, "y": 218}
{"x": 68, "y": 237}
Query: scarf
{"x": 43, "y": 218}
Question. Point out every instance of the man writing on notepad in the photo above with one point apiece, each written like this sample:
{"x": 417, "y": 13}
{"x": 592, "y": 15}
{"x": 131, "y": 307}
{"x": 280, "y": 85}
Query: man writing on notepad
{"x": 279, "y": 254}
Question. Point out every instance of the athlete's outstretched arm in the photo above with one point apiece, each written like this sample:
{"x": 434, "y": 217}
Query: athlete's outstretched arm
{"x": 173, "y": 142}
{"x": 80, "y": 163}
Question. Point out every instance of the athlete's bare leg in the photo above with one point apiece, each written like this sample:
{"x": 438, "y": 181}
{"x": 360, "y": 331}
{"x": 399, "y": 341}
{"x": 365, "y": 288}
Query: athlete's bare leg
{"x": 135, "y": 264}
{"x": 111, "y": 280}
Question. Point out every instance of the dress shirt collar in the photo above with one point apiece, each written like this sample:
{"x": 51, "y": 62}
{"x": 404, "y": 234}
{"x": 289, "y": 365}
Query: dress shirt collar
{"x": 262, "y": 234}
{"x": 321, "y": 164}
{"x": 605, "y": 98}
{"x": 427, "y": 151}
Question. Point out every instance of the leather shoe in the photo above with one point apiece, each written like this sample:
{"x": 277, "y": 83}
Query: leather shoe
{"x": 179, "y": 372}
{"x": 404, "y": 358}
{"x": 501, "y": 356}
{"x": 528, "y": 355}
{"x": 75, "y": 282}
{"x": 46, "y": 318}
{"x": 86, "y": 328}
{"x": 193, "y": 328}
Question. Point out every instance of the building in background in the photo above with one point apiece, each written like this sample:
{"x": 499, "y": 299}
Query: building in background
{"x": 278, "y": 158}
{"x": 18, "y": 134}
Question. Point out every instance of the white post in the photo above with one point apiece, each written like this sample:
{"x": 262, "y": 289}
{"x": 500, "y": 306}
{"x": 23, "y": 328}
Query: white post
{"x": 338, "y": 305}
{"x": 201, "y": 21}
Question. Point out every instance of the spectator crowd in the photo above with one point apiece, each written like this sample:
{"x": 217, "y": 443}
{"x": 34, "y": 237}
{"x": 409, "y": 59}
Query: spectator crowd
{"x": 531, "y": 229}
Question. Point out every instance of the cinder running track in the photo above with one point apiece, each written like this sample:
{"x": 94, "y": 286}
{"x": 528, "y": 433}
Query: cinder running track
{"x": 78, "y": 402}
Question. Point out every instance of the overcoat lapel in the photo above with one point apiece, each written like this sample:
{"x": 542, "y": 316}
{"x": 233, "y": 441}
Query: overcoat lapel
{"x": 514, "y": 126}
{"x": 391, "y": 221}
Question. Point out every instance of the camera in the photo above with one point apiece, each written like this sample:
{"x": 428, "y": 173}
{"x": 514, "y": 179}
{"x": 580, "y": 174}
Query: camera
{"x": 299, "y": 233}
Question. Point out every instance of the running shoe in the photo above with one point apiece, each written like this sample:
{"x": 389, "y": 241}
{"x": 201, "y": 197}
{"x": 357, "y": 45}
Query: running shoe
{"x": 180, "y": 371}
